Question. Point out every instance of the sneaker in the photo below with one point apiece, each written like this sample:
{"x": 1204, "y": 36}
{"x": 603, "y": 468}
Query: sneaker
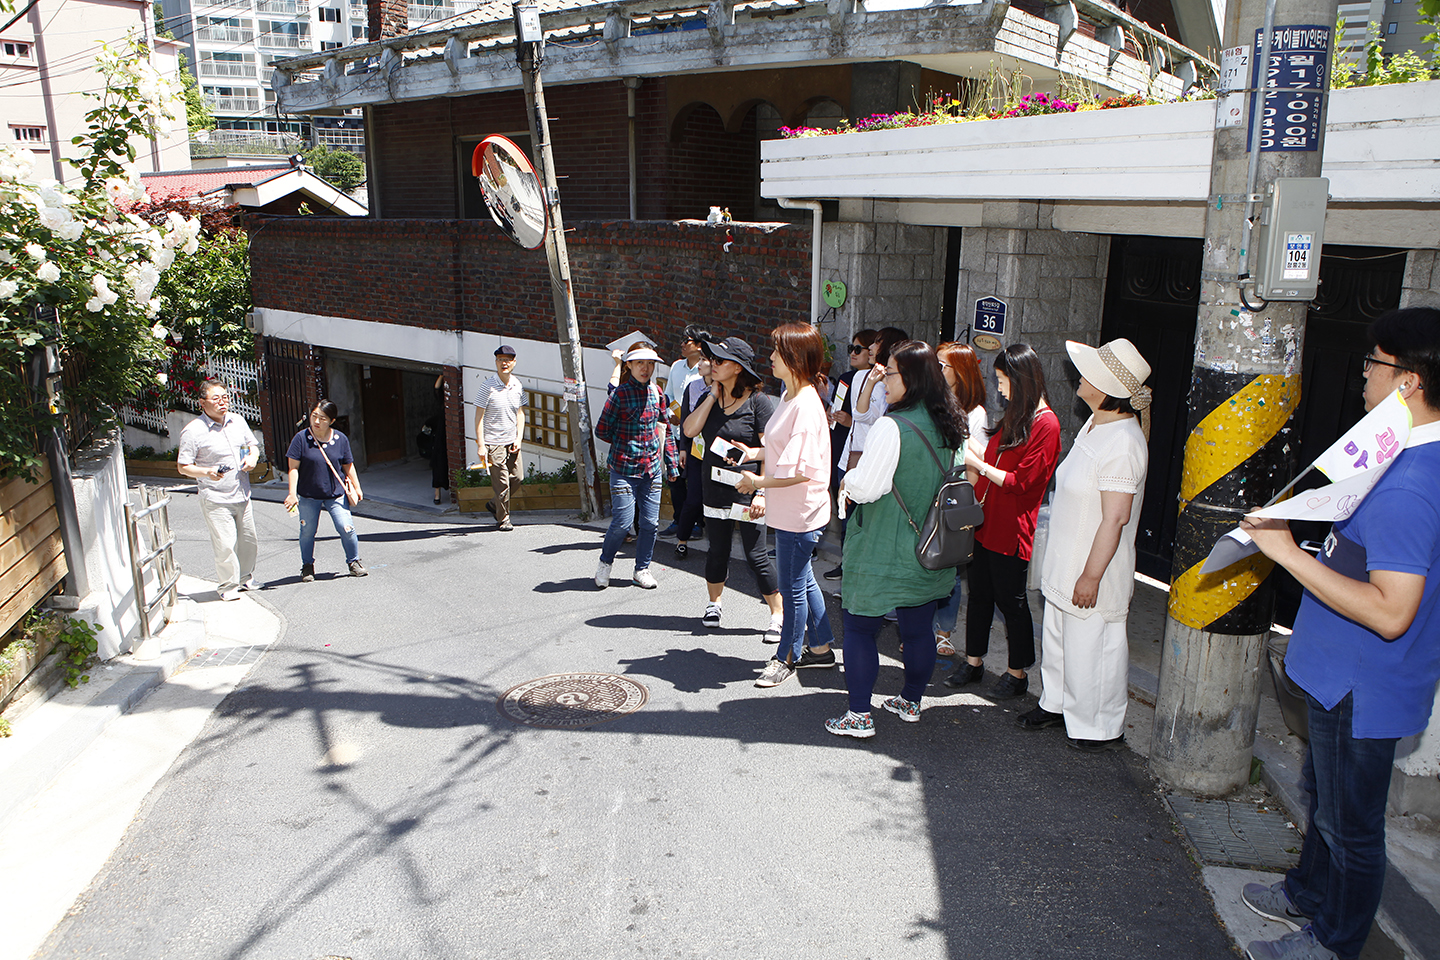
{"x": 1300, "y": 945}
{"x": 810, "y": 659}
{"x": 1096, "y": 746}
{"x": 506, "y": 525}
{"x": 231, "y": 594}
{"x": 1008, "y": 687}
{"x": 602, "y": 576}
{"x": 644, "y": 579}
{"x": 250, "y": 584}
{"x": 775, "y": 673}
{"x": 357, "y": 569}
{"x": 893, "y": 617}
{"x": 852, "y": 725}
{"x": 1272, "y": 903}
{"x": 669, "y": 531}
{"x": 834, "y": 574}
{"x": 904, "y": 709}
{"x": 307, "y": 573}
{"x": 965, "y": 673}
{"x": 772, "y": 632}
{"x": 712, "y": 615}
{"x": 682, "y": 550}
{"x": 1039, "y": 719}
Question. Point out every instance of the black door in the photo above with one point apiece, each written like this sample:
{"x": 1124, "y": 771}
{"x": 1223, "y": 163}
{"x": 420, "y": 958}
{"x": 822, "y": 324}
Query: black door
{"x": 1151, "y": 299}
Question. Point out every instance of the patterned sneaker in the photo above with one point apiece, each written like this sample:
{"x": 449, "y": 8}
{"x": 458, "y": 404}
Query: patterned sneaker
{"x": 712, "y": 615}
{"x": 904, "y": 709}
{"x": 809, "y": 658}
{"x": 852, "y": 725}
{"x": 775, "y": 673}
{"x": 1300, "y": 945}
{"x": 772, "y": 632}
{"x": 1272, "y": 903}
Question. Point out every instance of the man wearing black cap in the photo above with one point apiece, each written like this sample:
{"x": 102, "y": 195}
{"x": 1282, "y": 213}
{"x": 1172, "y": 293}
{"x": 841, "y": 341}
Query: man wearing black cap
{"x": 498, "y": 428}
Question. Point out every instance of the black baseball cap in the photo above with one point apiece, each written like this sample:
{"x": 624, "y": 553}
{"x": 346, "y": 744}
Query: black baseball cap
{"x": 504, "y": 350}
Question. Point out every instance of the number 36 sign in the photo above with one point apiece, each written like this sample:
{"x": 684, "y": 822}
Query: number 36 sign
{"x": 990, "y": 316}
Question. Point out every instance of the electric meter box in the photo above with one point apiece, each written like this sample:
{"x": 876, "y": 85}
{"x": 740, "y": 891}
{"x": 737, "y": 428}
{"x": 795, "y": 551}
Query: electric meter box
{"x": 527, "y": 23}
{"x": 1287, "y": 241}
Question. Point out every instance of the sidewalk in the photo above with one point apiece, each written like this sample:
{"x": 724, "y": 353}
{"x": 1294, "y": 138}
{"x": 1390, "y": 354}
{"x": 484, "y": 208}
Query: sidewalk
{"x": 79, "y": 766}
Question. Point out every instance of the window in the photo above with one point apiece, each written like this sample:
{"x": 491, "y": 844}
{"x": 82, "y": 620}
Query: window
{"x": 1390, "y": 27}
{"x": 329, "y": 14}
{"x": 29, "y": 136}
{"x": 358, "y": 31}
{"x": 20, "y": 51}
{"x": 328, "y": 45}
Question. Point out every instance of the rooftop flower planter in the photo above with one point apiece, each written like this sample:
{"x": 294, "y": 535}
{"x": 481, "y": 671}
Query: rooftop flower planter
{"x": 1380, "y": 146}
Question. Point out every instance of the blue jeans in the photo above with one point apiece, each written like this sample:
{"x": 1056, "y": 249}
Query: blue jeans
{"x": 1342, "y": 862}
{"x": 862, "y": 658}
{"x": 802, "y": 602}
{"x": 625, "y": 494}
{"x": 339, "y": 515}
{"x": 949, "y": 610}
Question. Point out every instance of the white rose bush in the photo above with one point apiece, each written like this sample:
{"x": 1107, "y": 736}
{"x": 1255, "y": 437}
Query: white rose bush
{"x": 75, "y": 247}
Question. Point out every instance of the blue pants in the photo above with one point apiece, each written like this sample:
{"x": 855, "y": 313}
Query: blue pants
{"x": 339, "y": 515}
{"x": 627, "y": 495}
{"x": 949, "y": 609}
{"x": 862, "y": 658}
{"x": 1342, "y": 863}
{"x": 801, "y": 600}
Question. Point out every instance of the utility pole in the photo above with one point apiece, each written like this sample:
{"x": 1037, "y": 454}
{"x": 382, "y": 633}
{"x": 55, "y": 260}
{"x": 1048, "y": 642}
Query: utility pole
{"x": 1245, "y": 386}
{"x": 530, "y": 51}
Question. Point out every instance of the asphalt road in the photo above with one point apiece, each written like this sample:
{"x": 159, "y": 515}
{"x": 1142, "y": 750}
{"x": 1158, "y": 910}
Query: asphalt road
{"x": 360, "y": 796}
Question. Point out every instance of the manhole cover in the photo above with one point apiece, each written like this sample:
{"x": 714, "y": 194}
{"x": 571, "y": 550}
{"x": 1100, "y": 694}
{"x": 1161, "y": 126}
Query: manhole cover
{"x": 568, "y": 700}
{"x": 1234, "y": 833}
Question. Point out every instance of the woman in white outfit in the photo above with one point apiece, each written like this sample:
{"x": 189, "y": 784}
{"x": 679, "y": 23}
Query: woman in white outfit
{"x": 1088, "y": 572}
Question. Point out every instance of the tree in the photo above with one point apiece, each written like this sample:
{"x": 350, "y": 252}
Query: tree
{"x": 197, "y": 111}
{"x": 72, "y": 249}
{"x": 342, "y": 169}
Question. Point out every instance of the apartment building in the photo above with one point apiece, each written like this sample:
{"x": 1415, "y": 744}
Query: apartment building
{"x": 1399, "y": 22}
{"x": 47, "y": 64}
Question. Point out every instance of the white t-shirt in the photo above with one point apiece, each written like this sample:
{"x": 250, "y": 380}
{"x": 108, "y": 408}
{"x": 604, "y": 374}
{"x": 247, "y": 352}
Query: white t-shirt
{"x": 979, "y": 423}
{"x": 502, "y": 405}
{"x": 1111, "y": 456}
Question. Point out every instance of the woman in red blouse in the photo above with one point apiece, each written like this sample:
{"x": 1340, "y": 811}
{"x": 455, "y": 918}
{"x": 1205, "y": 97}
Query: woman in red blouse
{"x": 1010, "y": 479}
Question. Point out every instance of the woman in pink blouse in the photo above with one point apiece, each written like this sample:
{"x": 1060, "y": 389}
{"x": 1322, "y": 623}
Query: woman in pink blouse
{"x": 796, "y": 484}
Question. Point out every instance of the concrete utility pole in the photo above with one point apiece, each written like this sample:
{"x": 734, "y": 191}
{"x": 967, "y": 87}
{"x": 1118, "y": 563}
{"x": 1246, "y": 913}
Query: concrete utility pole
{"x": 1244, "y": 388}
{"x": 530, "y": 50}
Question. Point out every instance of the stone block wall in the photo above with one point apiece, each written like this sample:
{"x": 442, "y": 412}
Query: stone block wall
{"x": 894, "y": 275}
{"x": 1422, "y": 280}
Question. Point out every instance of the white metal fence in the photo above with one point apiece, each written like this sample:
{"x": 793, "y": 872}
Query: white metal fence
{"x": 239, "y": 374}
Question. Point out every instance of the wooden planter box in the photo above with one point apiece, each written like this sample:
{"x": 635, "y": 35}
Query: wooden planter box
{"x": 25, "y": 662}
{"x": 166, "y": 468}
{"x": 539, "y": 496}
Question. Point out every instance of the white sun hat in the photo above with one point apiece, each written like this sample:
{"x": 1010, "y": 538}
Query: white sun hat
{"x": 641, "y": 352}
{"x": 1117, "y": 369}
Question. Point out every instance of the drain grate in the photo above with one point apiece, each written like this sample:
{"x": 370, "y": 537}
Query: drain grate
{"x": 567, "y": 701}
{"x": 226, "y": 657}
{"x": 1235, "y": 833}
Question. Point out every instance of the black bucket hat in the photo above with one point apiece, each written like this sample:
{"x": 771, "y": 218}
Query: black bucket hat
{"x": 731, "y": 348}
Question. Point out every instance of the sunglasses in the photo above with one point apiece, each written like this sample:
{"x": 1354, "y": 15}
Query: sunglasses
{"x": 856, "y": 348}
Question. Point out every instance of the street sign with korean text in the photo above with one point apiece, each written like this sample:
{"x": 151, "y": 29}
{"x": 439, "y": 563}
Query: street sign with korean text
{"x": 990, "y": 315}
{"x": 1299, "y": 64}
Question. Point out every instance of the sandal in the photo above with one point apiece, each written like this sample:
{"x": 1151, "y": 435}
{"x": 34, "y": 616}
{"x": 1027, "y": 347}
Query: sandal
{"x": 943, "y": 646}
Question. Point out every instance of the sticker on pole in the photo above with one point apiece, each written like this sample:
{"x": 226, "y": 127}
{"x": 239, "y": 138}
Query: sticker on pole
{"x": 1298, "y": 255}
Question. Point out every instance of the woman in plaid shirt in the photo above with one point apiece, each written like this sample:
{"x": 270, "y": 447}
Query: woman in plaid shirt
{"x": 634, "y": 423}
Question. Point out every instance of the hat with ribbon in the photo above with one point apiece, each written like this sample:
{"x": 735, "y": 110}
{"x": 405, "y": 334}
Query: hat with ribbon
{"x": 1116, "y": 369}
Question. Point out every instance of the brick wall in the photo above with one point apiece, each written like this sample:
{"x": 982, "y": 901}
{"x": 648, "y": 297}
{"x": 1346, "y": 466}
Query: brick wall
{"x": 656, "y": 276}
{"x": 415, "y": 147}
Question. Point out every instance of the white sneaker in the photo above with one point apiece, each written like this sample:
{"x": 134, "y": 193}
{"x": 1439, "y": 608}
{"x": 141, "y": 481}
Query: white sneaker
{"x": 712, "y": 615}
{"x": 231, "y": 594}
{"x": 250, "y": 584}
{"x": 602, "y": 576}
{"x": 775, "y": 673}
{"x": 644, "y": 579}
{"x": 772, "y": 632}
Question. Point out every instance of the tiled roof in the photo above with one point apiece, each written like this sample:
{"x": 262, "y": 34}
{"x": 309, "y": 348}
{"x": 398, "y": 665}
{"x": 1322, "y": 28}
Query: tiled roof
{"x": 196, "y": 183}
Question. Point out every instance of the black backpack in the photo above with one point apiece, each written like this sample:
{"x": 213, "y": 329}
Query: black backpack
{"x": 948, "y": 536}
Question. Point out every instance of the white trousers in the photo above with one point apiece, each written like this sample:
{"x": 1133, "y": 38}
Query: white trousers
{"x": 1085, "y": 669}
{"x": 233, "y": 538}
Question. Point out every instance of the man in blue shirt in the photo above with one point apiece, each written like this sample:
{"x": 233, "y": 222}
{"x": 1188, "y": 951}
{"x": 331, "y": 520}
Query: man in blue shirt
{"x": 1366, "y": 650}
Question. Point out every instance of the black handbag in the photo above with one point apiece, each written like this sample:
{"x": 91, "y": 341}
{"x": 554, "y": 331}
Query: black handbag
{"x": 948, "y": 537}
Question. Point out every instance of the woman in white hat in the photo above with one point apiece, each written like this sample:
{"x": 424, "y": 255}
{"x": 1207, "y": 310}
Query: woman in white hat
{"x": 635, "y": 422}
{"x": 1088, "y": 573}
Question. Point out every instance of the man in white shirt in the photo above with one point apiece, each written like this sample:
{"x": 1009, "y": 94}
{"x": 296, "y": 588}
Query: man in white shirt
{"x": 682, "y": 373}
{"x": 218, "y": 450}
{"x": 498, "y": 429}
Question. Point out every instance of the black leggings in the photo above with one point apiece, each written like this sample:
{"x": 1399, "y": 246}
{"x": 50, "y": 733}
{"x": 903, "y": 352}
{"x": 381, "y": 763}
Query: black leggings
{"x": 997, "y": 580}
{"x": 752, "y": 538}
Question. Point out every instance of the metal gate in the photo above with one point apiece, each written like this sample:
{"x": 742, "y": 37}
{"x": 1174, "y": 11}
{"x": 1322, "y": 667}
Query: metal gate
{"x": 287, "y": 366}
